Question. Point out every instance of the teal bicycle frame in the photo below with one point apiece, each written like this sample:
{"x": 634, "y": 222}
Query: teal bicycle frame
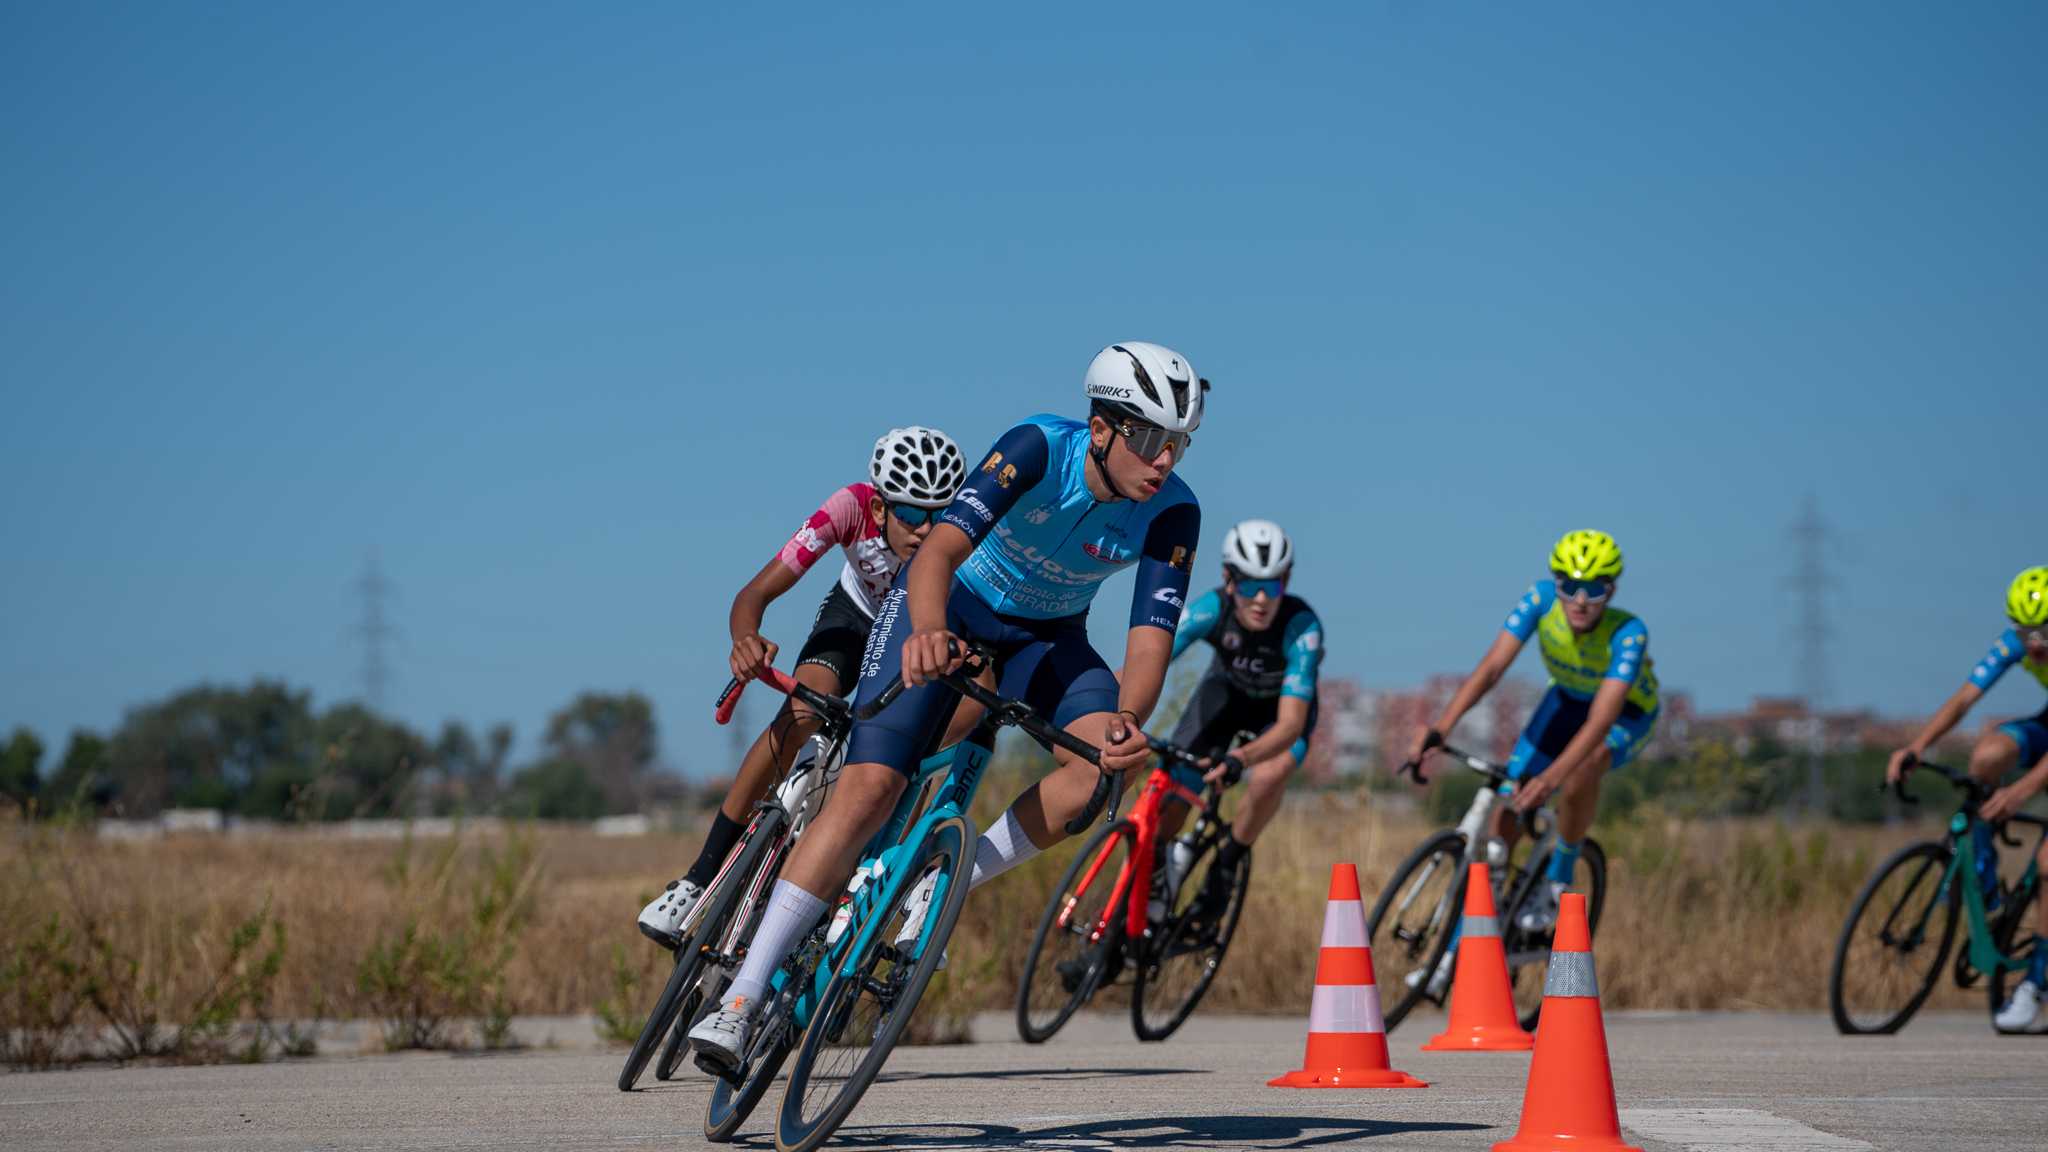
{"x": 1984, "y": 954}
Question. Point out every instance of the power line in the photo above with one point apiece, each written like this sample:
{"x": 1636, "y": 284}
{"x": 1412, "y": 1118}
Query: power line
{"x": 1810, "y": 583}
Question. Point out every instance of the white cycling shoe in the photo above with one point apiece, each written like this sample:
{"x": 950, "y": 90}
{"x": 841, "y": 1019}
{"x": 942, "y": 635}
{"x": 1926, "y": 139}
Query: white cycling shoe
{"x": 914, "y": 912}
{"x": 662, "y": 920}
{"x": 2022, "y": 1013}
{"x": 1540, "y": 913}
{"x": 1439, "y": 980}
{"x": 720, "y": 1039}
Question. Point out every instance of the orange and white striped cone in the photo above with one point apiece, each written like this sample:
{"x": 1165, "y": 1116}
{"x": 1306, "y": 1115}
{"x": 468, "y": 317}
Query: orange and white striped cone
{"x": 1347, "y": 1037}
{"x": 1569, "y": 1104}
{"x": 1482, "y": 1001}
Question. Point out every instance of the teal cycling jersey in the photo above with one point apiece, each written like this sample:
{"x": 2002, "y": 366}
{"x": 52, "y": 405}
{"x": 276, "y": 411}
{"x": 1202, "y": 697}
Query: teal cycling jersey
{"x": 1044, "y": 544}
{"x": 1280, "y": 661}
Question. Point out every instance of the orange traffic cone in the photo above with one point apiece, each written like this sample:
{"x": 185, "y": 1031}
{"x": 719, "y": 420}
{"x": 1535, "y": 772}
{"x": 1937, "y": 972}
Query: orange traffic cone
{"x": 1347, "y": 1039}
{"x": 1482, "y": 1004}
{"x": 1569, "y": 1104}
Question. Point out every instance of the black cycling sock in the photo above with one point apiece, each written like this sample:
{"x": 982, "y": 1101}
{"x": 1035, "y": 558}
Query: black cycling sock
{"x": 725, "y": 832}
{"x": 1230, "y": 852}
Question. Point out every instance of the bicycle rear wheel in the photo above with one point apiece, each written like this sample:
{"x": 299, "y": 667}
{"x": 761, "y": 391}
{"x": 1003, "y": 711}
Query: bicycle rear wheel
{"x": 1068, "y": 959}
{"x": 862, "y": 1014}
{"x": 1529, "y": 952}
{"x": 1411, "y": 922}
{"x": 2017, "y": 934}
{"x": 1181, "y": 959}
{"x": 1892, "y": 945}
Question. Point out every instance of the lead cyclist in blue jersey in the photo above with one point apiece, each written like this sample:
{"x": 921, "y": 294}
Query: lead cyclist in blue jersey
{"x": 1268, "y": 647}
{"x": 2021, "y": 744}
{"x": 1055, "y": 508}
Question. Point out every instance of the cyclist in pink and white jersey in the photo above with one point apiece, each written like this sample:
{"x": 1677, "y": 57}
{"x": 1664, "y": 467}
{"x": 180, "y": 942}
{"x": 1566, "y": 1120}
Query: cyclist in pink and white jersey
{"x": 913, "y": 476}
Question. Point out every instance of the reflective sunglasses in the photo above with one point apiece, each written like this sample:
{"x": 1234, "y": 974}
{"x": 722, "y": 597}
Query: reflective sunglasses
{"x": 911, "y": 516}
{"x": 2037, "y": 635}
{"x": 1591, "y": 591}
{"x": 1253, "y": 589}
{"x": 1149, "y": 440}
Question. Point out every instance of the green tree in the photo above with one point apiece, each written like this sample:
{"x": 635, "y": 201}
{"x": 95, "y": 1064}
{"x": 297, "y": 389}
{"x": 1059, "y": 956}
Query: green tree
{"x": 612, "y": 736}
{"x": 556, "y": 789}
{"x": 21, "y": 761}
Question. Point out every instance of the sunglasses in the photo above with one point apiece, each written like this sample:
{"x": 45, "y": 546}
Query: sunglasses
{"x": 911, "y": 516}
{"x": 1253, "y": 589}
{"x": 2037, "y": 635}
{"x": 1591, "y": 591}
{"x": 1149, "y": 440}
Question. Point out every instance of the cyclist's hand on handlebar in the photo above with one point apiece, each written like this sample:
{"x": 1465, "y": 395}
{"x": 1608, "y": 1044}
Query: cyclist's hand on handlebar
{"x": 2003, "y": 803}
{"x": 1228, "y": 770}
{"x": 1901, "y": 762}
{"x": 1531, "y": 793}
{"x": 751, "y": 654}
{"x": 927, "y": 655}
{"x": 1123, "y": 744}
{"x": 1419, "y": 750}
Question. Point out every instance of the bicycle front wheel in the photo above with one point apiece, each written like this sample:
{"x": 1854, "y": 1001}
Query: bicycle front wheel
{"x": 1077, "y": 936}
{"x": 1892, "y": 946}
{"x": 1181, "y": 959}
{"x": 865, "y": 1009}
{"x": 1411, "y": 922}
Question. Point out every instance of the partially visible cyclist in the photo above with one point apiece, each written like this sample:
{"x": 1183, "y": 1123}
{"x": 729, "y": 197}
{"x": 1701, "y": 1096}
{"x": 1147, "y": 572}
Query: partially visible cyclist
{"x": 913, "y": 474}
{"x": 1057, "y": 507}
{"x": 1595, "y": 716}
{"x": 2021, "y": 744}
{"x": 1268, "y": 646}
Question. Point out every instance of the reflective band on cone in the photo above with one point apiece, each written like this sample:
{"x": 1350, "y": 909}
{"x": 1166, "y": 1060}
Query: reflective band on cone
{"x": 1347, "y": 1037}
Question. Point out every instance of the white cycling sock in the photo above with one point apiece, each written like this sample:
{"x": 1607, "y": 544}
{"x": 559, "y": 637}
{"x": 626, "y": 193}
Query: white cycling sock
{"x": 1000, "y": 849}
{"x": 791, "y": 913}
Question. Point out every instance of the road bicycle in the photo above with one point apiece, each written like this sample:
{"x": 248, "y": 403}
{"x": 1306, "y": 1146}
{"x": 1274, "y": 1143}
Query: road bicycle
{"x": 727, "y": 912}
{"x": 842, "y": 1000}
{"x": 1414, "y": 921}
{"x": 1904, "y": 919}
{"x": 1096, "y": 925}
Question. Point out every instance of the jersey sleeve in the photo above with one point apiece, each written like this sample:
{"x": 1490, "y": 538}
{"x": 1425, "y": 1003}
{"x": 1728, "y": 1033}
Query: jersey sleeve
{"x": 837, "y": 521}
{"x": 1627, "y": 650}
{"x": 2005, "y": 652}
{"x": 1016, "y": 464}
{"x": 1528, "y": 611}
{"x": 1164, "y": 564}
{"x": 1198, "y": 622}
{"x": 1304, "y": 645}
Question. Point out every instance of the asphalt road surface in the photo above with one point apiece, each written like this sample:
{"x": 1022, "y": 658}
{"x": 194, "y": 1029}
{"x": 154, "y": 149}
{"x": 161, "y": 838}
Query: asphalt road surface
{"x": 1696, "y": 1083}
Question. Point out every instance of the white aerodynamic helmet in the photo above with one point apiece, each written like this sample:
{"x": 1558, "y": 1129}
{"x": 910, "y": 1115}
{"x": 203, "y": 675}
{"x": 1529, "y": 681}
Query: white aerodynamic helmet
{"x": 1258, "y": 549}
{"x": 1149, "y": 381}
{"x": 920, "y": 466}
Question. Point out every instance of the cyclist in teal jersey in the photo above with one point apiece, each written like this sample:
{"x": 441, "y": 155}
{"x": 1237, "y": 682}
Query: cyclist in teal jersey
{"x": 1597, "y": 714}
{"x": 2021, "y": 744}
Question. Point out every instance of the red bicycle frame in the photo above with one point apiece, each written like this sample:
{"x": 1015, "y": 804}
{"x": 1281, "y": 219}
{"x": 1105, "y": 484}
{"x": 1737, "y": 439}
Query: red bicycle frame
{"x": 1134, "y": 877}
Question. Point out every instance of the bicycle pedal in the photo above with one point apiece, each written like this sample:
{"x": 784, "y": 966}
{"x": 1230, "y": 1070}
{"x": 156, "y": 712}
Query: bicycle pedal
{"x": 733, "y": 1075}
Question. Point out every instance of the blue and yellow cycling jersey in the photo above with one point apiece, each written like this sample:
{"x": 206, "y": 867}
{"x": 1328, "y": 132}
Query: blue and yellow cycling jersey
{"x": 2007, "y": 651}
{"x": 1618, "y": 647}
{"x": 1281, "y": 661}
{"x": 1044, "y": 544}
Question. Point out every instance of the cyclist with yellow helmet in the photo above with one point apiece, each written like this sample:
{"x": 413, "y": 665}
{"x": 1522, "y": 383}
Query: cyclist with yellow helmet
{"x": 1596, "y": 715}
{"x": 2022, "y": 743}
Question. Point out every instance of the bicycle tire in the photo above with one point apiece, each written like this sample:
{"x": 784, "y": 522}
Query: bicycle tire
{"x": 1448, "y": 849}
{"x": 730, "y": 1105}
{"x": 1930, "y": 859}
{"x": 1525, "y": 980}
{"x": 950, "y": 844}
{"x": 2015, "y": 925}
{"x": 682, "y": 981}
{"x": 1153, "y": 1030}
{"x": 1085, "y": 988}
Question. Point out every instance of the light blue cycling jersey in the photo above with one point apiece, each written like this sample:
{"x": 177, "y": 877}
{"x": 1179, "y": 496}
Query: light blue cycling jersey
{"x": 2007, "y": 651}
{"x": 1044, "y": 544}
{"x": 1281, "y": 661}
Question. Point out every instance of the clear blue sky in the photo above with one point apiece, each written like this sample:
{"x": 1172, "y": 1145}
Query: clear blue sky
{"x": 573, "y": 313}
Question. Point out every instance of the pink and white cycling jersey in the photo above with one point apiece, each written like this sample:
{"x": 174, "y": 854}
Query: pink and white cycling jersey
{"x": 844, "y": 520}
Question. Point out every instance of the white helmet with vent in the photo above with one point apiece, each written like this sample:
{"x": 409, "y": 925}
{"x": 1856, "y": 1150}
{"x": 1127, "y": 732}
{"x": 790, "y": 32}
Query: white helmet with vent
{"x": 1258, "y": 549}
{"x": 920, "y": 466}
{"x": 1148, "y": 381}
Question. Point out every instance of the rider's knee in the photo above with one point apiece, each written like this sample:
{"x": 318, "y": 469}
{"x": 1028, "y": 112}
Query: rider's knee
{"x": 1993, "y": 755}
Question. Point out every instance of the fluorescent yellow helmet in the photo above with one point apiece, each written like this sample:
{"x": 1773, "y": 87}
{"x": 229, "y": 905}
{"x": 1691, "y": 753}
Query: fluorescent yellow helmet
{"x": 2027, "y": 600}
{"x": 1586, "y": 555}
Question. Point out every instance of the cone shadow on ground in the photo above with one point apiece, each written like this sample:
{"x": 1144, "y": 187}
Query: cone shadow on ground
{"x": 1056, "y": 1075}
{"x": 1203, "y": 1132}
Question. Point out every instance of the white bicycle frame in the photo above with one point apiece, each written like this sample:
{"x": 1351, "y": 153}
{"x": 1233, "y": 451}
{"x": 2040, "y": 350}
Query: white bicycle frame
{"x": 801, "y": 794}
